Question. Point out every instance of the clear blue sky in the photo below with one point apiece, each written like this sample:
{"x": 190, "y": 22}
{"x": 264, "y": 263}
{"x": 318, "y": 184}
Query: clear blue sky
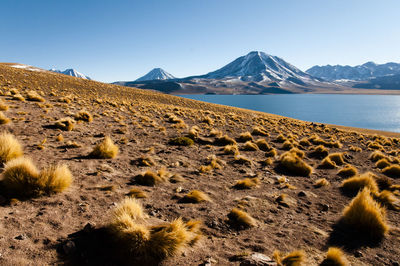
{"x": 112, "y": 40}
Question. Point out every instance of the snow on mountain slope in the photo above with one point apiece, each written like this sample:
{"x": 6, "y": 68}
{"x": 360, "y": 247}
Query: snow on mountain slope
{"x": 361, "y": 72}
{"x": 156, "y": 74}
{"x": 257, "y": 67}
{"x": 71, "y": 72}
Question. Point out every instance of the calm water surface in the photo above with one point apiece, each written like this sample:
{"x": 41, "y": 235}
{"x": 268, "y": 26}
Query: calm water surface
{"x": 381, "y": 112}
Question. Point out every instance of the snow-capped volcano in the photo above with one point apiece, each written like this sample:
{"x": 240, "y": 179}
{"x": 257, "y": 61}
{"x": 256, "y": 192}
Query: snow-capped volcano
{"x": 70, "y": 72}
{"x": 156, "y": 74}
{"x": 257, "y": 67}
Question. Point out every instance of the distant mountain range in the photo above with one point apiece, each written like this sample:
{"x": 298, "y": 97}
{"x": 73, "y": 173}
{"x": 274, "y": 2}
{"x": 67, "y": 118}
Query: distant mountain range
{"x": 156, "y": 74}
{"x": 254, "y": 73}
{"x": 361, "y": 72}
{"x": 261, "y": 73}
{"x": 71, "y": 72}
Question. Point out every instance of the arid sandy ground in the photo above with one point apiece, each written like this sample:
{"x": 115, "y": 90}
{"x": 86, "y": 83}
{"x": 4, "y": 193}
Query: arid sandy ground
{"x": 36, "y": 231}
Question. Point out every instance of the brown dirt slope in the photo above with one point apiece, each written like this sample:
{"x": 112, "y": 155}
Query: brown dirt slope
{"x": 181, "y": 142}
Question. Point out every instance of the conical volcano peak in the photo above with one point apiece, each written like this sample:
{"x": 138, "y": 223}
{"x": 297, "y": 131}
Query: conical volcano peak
{"x": 156, "y": 74}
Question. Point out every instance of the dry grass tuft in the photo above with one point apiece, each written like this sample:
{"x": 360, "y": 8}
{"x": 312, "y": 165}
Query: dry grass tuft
{"x": 376, "y": 156}
{"x": 241, "y": 159}
{"x": 66, "y": 124}
{"x": 271, "y": 153}
{"x": 181, "y": 141}
{"x": 320, "y": 152}
{"x": 263, "y": 145}
{"x": 334, "y": 257}
{"x": 295, "y": 258}
{"x": 21, "y": 178}
{"x": 167, "y": 240}
{"x": 10, "y": 148}
{"x": 382, "y": 163}
{"x": 3, "y": 106}
{"x": 105, "y": 150}
{"x": 224, "y": 140}
{"x": 388, "y": 199}
{"x": 231, "y": 149}
{"x": 34, "y": 96}
{"x": 195, "y": 196}
{"x": 294, "y": 164}
{"x": 250, "y": 146}
{"x": 259, "y": 131}
{"x": 245, "y": 136}
{"x": 337, "y": 158}
{"x": 241, "y": 218}
{"x": 150, "y": 178}
{"x": 322, "y": 182}
{"x": 366, "y": 215}
{"x": 247, "y": 183}
{"x": 356, "y": 183}
{"x": 136, "y": 238}
{"x": 348, "y": 171}
{"x": 83, "y": 116}
{"x": 392, "y": 171}
{"x": 55, "y": 179}
{"x": 327, "y": 163}
{"x": 3, "y": 119}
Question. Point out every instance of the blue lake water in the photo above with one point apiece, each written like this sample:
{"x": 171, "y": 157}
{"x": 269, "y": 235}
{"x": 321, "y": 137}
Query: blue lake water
{"x": 381, "y": 112}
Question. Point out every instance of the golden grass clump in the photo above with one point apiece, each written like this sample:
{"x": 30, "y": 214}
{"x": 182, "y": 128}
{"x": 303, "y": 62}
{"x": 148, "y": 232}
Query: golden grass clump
{"x": 18, "y": 97}
{"x": 366, "y": 215}
{"x": 287, "y": 145}
{"x": 263, "y": 145}
{"x": 137, "y": 193}
{"x": 181, "y": 141}
{"x": 250, "y": 146}
{"x": 4, "y": 119}
{"x": 298, "y": 152}
{"x": 356, "y": 183}
{"x": 34, "y": 96}
{"x": 224, "y": 140}
{"x": 320, "y": 152}
{"x": 55, "y": 179}
{"x": 327, "y": 163}
{"x": 388, "y": 199}
{"x": 66, "y": 124}
{"x": 294, "y": 164}
{"x": 22, "y": 178}
{"x": 348, "y": 171}
{"x": 337, "y": 158}
{"x": 241, "y": 159}
{"x": 335, "y": 257}
{"x": 10, "y": 148}
{"x": 280, "y": 138}
{"x": 355, "y": 148}
{"x": 376, "y": 156}
{"x": 322, "y": 182}
{"x": 83, "y": 116}
{"x": 60, "y": 138}
{"x": 231, "y": 149}
{"x": 382, "y": 163}
{"x": 241, "y": 218}
{"x": 304, "y": 142}
{"x": 150, "y": 178}
{"x": 195, "y": 196}
{"x": 392, "y": 171}
{"x": 3, "y": 106}
{"x": 247, "y": 183}
{"x": 271, "y": 153}
{"x": 259, "y": 131}
{"x": 294, "y": 258}
{"x": 245, "y": 136}
{"x": 105, "y": 149}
